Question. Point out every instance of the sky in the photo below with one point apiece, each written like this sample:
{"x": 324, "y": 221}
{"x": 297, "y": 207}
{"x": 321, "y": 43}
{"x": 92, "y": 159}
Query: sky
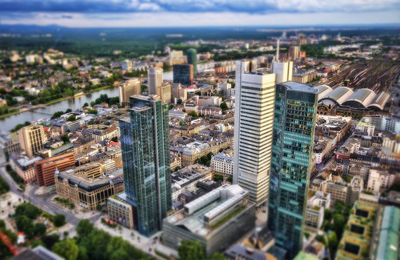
{"x": 173, "y": 13}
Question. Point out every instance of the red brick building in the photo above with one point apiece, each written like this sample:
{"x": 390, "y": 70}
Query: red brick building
{"x": 45, "y": 168}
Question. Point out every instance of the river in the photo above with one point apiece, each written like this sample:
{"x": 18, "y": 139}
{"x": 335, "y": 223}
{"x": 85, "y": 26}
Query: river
{"x": 40, "y": 113}
{"x": 74, "y": 103}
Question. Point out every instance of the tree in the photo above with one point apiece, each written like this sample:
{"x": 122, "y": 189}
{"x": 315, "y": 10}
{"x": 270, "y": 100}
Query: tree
{"x": 321, "y": 239}
{"x": 193, "y": 113}
{"x": 327, "y": 214}
{"x": 190, "y": 249}
{"x": 50, "y": 240}
{"x": 28, "y": 210}
{"x": 71, "y": 118}
{"x": 4, "y": 187}
{"x": 68, "y": 110}
{"x": 66, "y": 248}
{"x": 39, "y": 229}
{"x": 57, "y": 114}
{"x": 218, "y": 177}
{"x": 85, "y": 105}
{"x": 92, "y": 111}
{"x": 217, "y": 256}
{"x": 332, "y": 243}
{"x": 223, "y": 107}
{"x": 119, "y": 254}
{"x": 59, "y": 220}
{"x": 179, "y": 101}
{"x": 115, "y": 244}
{"x": 65, "y": 138}
{"x": 143, "y": 88}
{"x": 84, "y": 228}
{"x": 338, "y": 223}
{"x": 25, "y": 224}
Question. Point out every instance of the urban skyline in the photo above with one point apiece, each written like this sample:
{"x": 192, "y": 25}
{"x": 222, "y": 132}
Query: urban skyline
{"x": 218, "y": 130}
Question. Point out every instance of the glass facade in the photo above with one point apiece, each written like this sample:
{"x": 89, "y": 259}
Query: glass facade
{"x": 293, "y": 135}
{"x": 145, "y": 155}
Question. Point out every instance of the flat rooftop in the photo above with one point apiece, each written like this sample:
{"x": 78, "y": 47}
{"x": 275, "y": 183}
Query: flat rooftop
{"x": 195, "y": 221}
{"x": 295, "y": 86}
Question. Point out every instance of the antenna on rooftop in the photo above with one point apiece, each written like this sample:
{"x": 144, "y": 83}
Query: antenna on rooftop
{"x": 277, "y": 50}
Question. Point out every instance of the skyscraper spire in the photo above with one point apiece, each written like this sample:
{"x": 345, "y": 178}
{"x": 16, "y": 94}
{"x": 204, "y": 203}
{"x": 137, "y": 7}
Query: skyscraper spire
{"x": 277, "y": 50}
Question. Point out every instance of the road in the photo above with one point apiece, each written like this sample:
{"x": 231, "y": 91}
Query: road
{"x": 42, "y": 201}
{"x": 330, "y": 156}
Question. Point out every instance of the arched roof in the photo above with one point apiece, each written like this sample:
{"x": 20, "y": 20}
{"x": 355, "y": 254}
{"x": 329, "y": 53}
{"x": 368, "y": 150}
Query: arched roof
{"x": 361, "y": 98}
{"x": 380, "y": 100}
{"x": 339, "y": 95}
{"x": 323, "y": 90}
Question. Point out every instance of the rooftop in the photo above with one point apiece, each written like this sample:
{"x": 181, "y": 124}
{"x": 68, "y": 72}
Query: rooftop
{"x": 197, "y": 215}
{"x": 89, "y": 184}
{"x": 295, "y": 86}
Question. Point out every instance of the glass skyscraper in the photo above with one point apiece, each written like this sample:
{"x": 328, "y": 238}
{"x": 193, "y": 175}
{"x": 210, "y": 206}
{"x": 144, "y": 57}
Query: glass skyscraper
{"x": 293, "y": 136}
{"x": 192, "y": 59}
{"x": 146, "y": 160}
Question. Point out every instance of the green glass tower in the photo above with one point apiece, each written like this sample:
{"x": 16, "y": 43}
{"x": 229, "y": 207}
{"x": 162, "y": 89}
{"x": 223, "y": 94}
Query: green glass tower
{"x": 192, "y": 59}
{"x": 293, "y": 137}
{"x": 145, "y": 156}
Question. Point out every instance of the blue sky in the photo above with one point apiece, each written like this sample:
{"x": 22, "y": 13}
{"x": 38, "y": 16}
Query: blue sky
{"x": 148, "y": 13}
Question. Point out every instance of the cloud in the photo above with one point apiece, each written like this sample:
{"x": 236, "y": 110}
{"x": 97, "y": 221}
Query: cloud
{"x": 175, "y": 19}
{"x": 195, "y": 6}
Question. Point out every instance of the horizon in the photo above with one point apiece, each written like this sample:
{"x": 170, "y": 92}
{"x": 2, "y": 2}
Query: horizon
{"x": 272, "y": 27}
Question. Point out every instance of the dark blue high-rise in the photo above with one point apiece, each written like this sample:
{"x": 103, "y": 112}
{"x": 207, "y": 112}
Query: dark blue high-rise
{"x": 145, "y": 155}
{"x": 293, "y": 137}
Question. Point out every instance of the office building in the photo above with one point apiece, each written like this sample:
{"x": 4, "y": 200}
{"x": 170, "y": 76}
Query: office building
{"x": 146, "y": 160}
{"x": 46, "y": 168}
{"x": 388, "y": 229}
{"x": 176, "y": 57}
{"x": 155, "y": 80}
{"x": 216, "y": 219}
{"x": 24, "y": 166}
{"x": 165, "y": 92}
{"x": 283, "y": 71}
{"x": 126, "y": 65}
{"x": 131, "y": 87}
{"x": 178, "y": 92}
{"x": 222, "y": 163}
{"x": 339, "y": 191}
{"x": 120, "y": 211}
{"x": 254, "y": 114}
{"x": 87, "y": 192}
{"x": 31, "y": 139}
{"x": 8, "y": 146}
{"x": 192, "y": 59}
{"x": 183, "y": 73}
{"x": 294, "y": 122}
{"x": 294, "y": 53}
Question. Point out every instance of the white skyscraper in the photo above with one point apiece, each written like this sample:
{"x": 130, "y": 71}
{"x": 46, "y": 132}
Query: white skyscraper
{"x": 155, "y": 80}
{"x": 254, "y": 116}
{"x": 283, "y": 71}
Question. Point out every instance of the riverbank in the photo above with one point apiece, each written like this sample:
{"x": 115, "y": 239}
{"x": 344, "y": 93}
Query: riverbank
{"x": 14, "y": 112}
{"x": 51, "y": 102}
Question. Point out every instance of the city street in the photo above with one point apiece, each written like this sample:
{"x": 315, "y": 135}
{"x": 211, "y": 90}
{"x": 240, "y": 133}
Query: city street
{"x": 146, "y": 244}
{"x": 43, "y": 201}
